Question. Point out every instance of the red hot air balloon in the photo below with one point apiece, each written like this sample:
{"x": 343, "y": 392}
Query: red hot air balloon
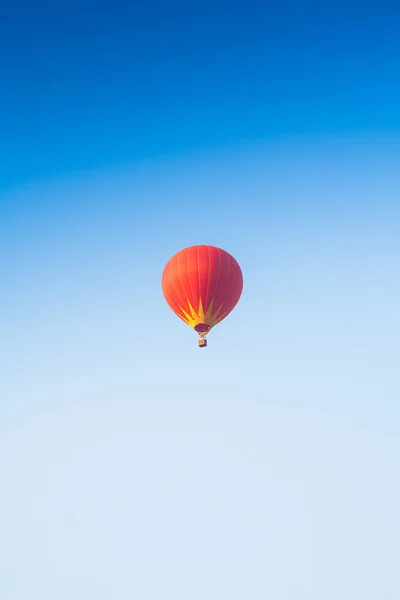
{"x": 202, "y": 285}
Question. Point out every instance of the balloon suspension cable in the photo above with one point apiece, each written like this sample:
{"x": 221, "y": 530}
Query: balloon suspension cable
{"x": 203, "y": 338}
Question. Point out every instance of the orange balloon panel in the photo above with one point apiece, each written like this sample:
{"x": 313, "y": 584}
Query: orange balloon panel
{"x": 202, "y": 285}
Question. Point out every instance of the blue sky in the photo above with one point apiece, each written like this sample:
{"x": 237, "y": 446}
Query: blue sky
{"x": 132, "y": 464}
{"x": 90, "y": 86}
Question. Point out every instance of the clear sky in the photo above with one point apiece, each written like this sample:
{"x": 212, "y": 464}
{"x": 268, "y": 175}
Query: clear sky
{"x": 132, "y": 464}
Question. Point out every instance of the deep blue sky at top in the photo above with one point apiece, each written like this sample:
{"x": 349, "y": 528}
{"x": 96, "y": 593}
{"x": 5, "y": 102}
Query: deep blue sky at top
{"x": 86, "y": 85}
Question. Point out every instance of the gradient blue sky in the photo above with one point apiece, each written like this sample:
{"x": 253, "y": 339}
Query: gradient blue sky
{"x": 132, "y": 463}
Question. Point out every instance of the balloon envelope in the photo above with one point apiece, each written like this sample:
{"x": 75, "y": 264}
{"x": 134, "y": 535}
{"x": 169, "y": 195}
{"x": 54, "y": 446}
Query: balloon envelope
{"x": 202, "y": 285}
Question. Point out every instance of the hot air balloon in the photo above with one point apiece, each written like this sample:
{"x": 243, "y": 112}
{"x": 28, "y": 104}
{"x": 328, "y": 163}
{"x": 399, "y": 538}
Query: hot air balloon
{"x": 202, "y": 285}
